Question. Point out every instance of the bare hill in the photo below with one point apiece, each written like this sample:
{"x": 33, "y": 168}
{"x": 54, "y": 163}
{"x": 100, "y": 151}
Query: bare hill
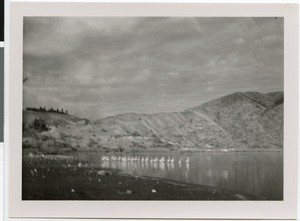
{"x": 238, "y": 121}
{"x": 251, "y": 118}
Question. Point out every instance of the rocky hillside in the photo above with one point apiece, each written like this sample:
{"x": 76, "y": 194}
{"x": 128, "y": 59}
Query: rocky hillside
{"x": 237, "y": 121}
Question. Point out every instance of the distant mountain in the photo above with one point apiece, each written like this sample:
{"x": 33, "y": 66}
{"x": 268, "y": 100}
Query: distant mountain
{"x": 238, "y": 121}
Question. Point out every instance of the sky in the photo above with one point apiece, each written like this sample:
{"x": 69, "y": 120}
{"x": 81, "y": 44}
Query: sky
{"x": 96, "y": 67}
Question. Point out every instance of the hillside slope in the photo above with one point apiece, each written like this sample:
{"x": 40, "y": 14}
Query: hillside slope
{"x": 252, "y": 118}
{"x": 237, "y": 121}
{"x": 55, "y": 119}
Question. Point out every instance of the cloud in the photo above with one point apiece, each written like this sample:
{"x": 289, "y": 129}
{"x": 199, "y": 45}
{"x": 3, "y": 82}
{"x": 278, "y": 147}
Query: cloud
{"x": 96, "y": 67}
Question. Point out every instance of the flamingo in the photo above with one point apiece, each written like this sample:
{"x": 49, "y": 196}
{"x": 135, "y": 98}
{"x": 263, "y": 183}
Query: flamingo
{"x": 169, "y": 159}
{"x": 146, "y": 159}
{"x": 162, "y": 160}
{"x": 179, "y": 162}
{"x": 172, "y": 160}
{"x": 187, "y": 160}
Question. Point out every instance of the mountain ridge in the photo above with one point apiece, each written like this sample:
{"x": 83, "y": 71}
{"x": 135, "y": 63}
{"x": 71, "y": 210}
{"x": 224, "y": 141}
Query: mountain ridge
{"x": 248, "y": 120}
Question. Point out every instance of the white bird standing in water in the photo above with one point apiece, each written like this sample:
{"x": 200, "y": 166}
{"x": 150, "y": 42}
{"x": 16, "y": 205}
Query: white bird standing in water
{"x": 172, "y": 160}
{"x": 146, "y": 159}
{"x": 179, "y": 161}
{"x": 169, "y": 159}
{"x": 162, "y": 160}
{"x": 187, "y": 161}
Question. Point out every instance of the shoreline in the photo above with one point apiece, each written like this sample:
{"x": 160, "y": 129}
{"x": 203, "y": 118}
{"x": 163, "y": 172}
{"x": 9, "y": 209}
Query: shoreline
{"x": 95, "y": 151}
{"x": 65, "y": 178}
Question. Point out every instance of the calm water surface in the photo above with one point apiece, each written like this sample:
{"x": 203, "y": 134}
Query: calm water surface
{"x": 260, "y": 174}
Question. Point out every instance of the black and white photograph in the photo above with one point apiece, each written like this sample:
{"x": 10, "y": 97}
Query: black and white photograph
{"x": 153, "y": 108}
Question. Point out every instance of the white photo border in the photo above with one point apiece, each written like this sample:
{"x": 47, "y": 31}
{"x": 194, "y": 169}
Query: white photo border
{"x": 285, "y": 209}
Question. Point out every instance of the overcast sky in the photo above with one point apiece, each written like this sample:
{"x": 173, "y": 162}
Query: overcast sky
{"x": 97, "y": 67}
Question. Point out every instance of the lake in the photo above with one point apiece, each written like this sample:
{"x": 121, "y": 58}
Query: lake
{"x": 258, "y": 173}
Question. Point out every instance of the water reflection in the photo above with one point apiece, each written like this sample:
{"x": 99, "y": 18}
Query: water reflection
{"x": 255, "y": 173}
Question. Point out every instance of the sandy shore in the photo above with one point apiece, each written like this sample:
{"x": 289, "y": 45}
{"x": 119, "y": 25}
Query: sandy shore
{"x": 48, "y": 177}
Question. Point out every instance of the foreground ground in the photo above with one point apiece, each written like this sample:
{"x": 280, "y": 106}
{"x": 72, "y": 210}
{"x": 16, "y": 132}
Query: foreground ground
{"x": 64, "y": 178}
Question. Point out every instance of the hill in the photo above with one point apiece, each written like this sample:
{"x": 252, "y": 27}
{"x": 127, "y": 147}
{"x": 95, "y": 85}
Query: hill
{"x": 251, "y": 118}
{"x": 248, "y": 120}
{"x": 50, "y": 118}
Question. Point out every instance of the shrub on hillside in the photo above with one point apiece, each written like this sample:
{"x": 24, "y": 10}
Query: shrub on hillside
{"x": 40, "y": 125}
